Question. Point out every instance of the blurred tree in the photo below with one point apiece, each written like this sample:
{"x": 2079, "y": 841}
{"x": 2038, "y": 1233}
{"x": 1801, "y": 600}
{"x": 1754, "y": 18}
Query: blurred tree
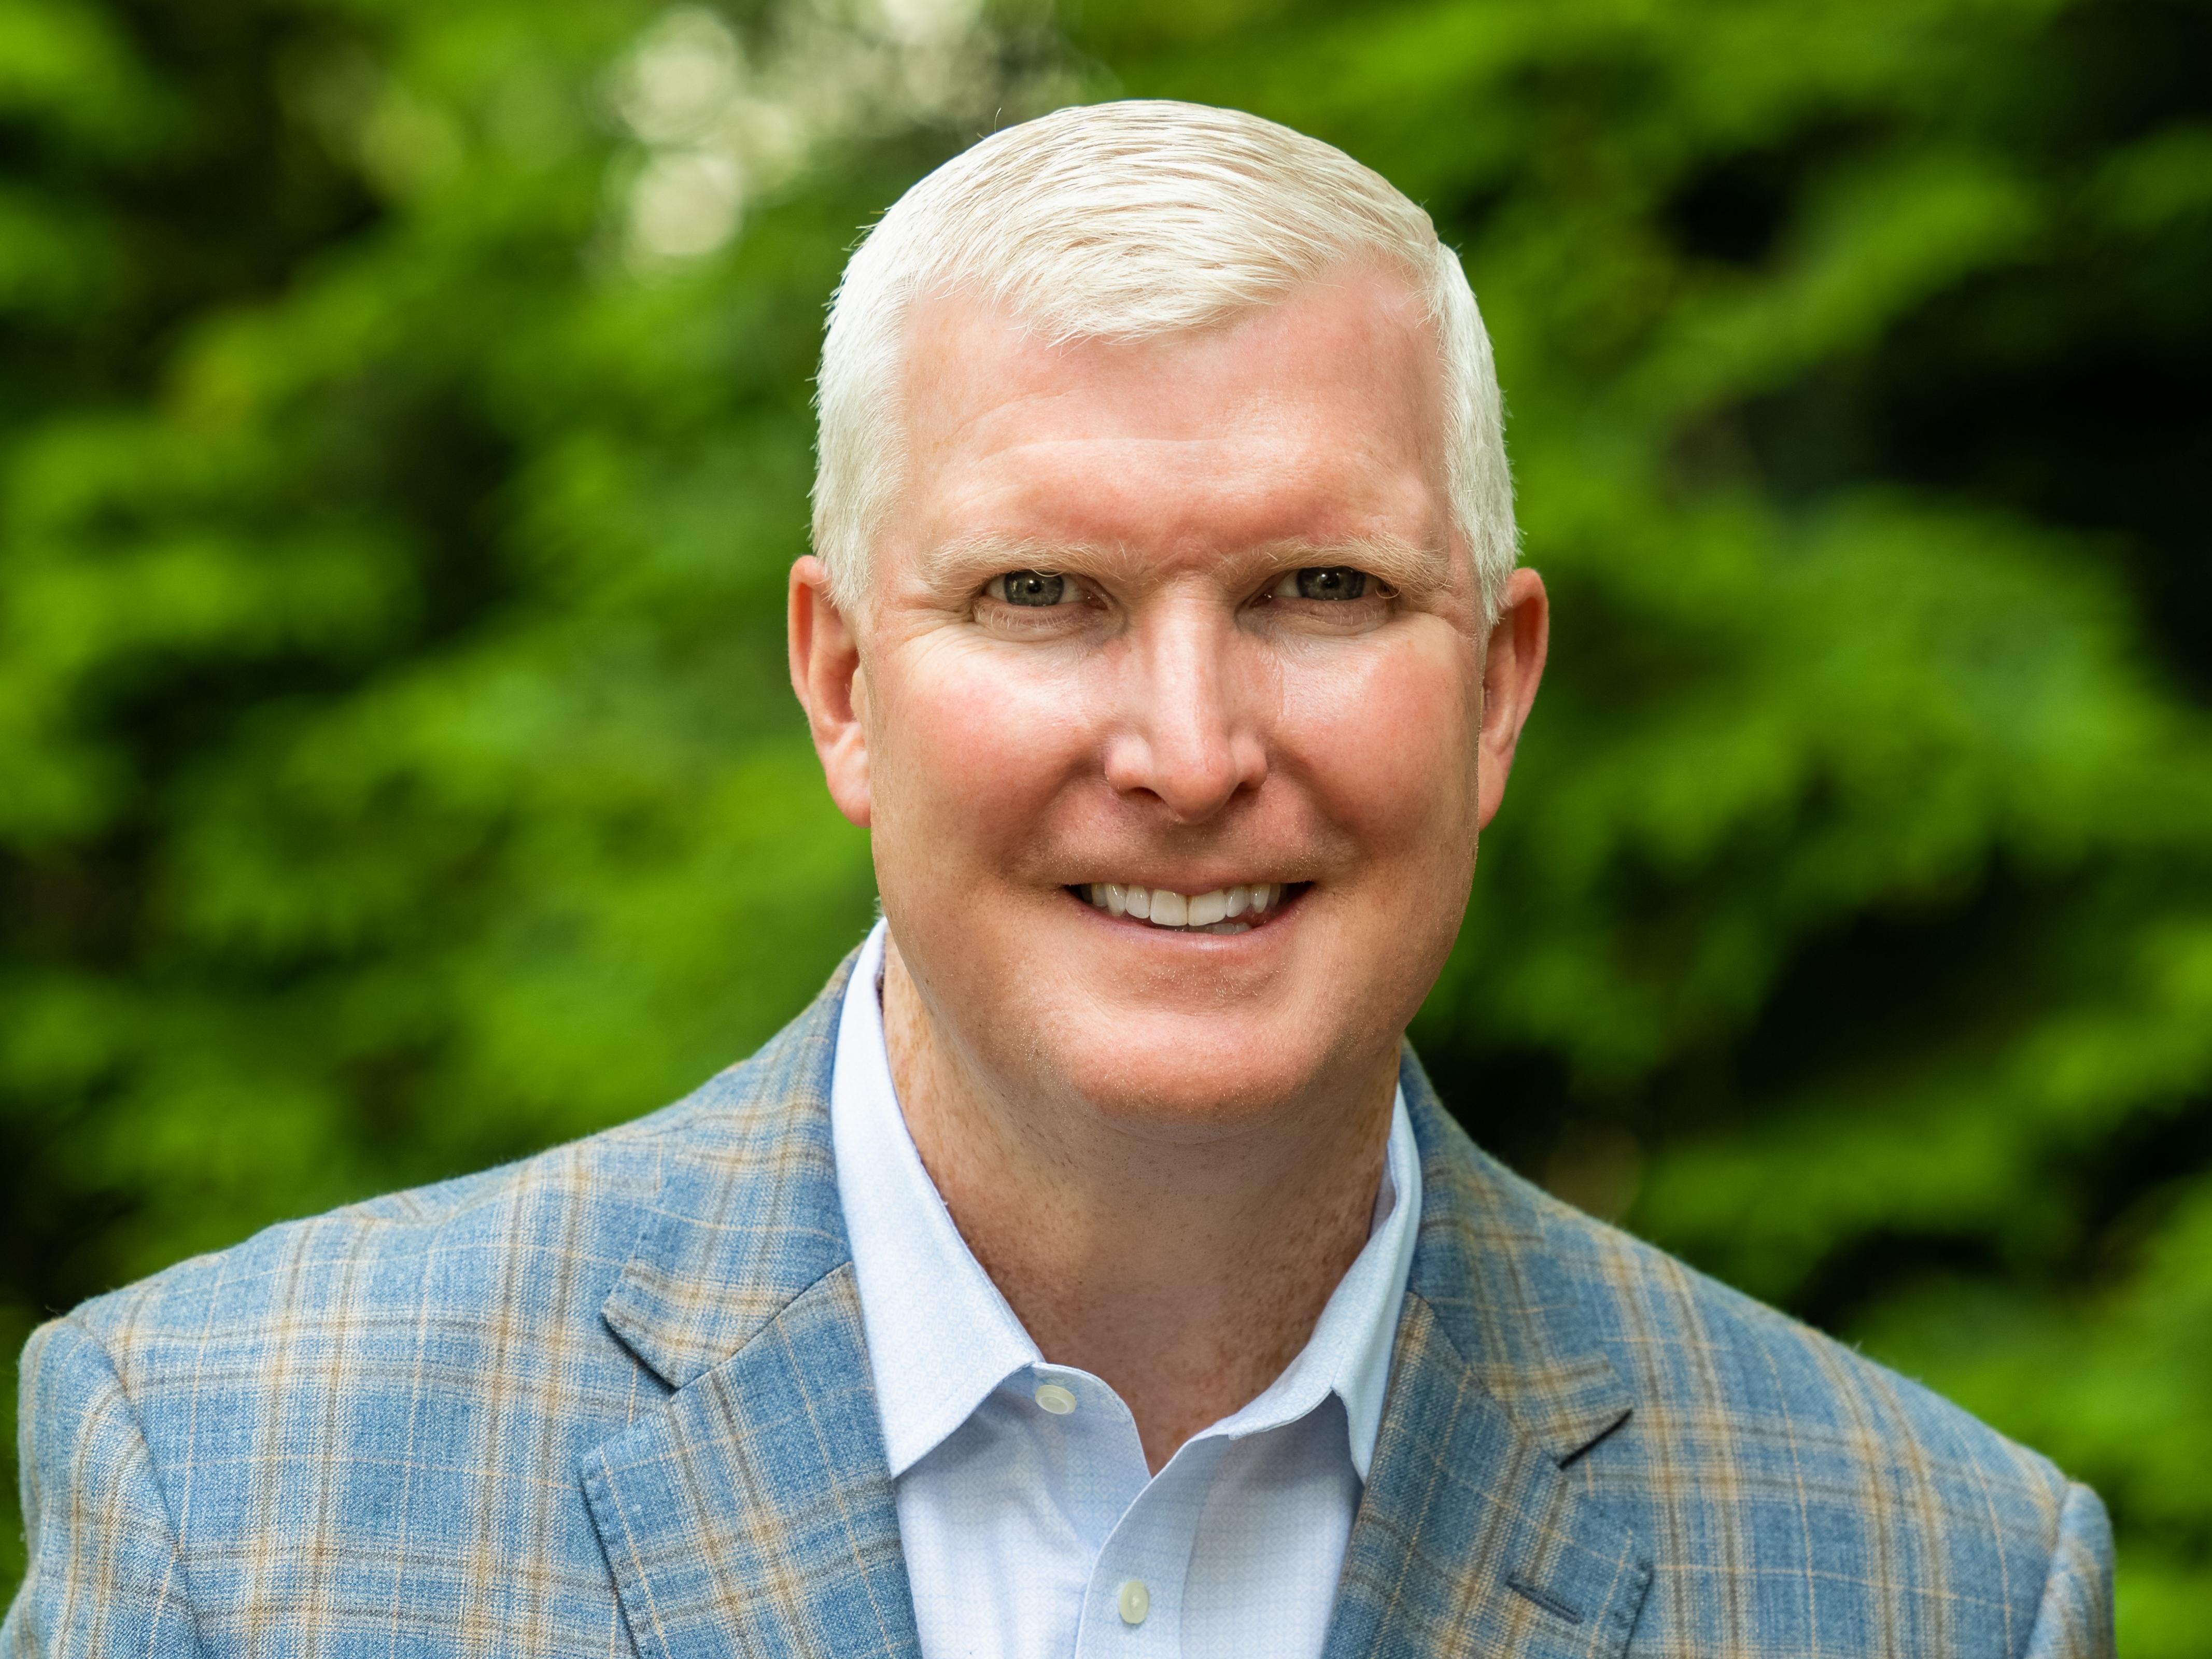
{"x": 404, "y": 433}
{"x": 1850, "y": 927}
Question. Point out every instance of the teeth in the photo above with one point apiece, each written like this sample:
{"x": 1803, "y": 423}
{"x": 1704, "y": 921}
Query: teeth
{"x": 1215, "y": 912}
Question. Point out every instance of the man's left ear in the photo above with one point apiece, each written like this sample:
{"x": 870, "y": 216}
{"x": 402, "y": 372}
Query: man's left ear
{"x": 1511, "y": 667}
{"x": 825, "y": 672}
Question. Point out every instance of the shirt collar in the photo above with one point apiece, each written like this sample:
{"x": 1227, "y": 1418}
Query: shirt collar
{"x": 941, "y": 1337}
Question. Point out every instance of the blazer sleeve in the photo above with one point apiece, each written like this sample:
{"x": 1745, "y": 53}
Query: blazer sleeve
{"x": 2074, "y": 1620}
{"x": 104, "y": 1575}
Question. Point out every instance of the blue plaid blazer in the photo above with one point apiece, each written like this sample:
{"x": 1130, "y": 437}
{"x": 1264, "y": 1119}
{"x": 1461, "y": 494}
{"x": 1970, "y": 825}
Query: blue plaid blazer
{"x": 615, "y": 1399}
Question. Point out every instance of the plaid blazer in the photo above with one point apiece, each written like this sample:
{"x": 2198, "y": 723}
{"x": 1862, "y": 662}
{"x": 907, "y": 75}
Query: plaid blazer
{"x": 615, "y": 1399}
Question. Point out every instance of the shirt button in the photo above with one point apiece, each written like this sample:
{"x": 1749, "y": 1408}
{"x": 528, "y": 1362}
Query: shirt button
{"x": 1134, "y": 1601}
{"x": 1055, "y": 1398}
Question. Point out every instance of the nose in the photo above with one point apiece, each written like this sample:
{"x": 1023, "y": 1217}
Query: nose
{"x": 1188, "y": 736}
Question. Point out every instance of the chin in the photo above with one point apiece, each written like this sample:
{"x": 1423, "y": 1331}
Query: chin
{"x": 1196, "y": 1078}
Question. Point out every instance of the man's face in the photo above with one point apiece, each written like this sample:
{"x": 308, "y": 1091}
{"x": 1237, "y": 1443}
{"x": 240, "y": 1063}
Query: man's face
{"x": 1185, "y": 614}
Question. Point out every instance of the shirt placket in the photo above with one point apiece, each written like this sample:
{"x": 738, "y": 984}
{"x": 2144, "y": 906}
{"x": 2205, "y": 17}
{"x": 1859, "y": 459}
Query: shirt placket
{"x": 1132, "y": 1607}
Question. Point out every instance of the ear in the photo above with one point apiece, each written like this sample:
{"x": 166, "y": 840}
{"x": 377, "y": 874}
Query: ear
{"x": 1512, "y": 663}
{"x": 826, "y": 673}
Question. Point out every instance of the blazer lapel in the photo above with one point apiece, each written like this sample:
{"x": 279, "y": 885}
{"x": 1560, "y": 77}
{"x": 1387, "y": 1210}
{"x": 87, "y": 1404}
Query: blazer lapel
{"x": 752, "y": 1511}
{"x": 1471, "y": 1536}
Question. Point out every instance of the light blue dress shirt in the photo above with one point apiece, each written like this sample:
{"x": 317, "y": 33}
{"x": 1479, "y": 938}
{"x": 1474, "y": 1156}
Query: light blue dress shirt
{"x": 1029, "y": 1524}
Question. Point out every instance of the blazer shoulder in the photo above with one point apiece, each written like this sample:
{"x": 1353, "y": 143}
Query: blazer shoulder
{"x": 1696, "y": 1349}
{"x": 1785, "y": 1484}
{"x": 1746, "y": 1419}
{"x": 499, "y": 1240}
{"x": 1711, "y": 1373}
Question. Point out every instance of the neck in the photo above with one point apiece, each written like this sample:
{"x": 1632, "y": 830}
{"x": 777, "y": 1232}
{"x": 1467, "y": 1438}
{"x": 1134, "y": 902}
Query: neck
{"x": 1185, "y": 1275}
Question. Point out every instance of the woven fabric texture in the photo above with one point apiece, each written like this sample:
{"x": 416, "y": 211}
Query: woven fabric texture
{"x": 616, "y": 1399}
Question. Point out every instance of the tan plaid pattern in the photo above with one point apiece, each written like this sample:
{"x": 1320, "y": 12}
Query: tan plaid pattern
{"x": 615, "y": 1399}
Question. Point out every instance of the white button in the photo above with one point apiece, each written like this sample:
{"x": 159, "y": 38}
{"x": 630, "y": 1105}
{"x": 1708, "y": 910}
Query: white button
{"x": 1057, "y": 1400}
{"x": 1135, "y": 1601}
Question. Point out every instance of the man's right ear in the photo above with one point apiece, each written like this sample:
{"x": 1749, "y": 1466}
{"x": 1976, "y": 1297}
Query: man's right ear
{"x": 825, "y": 672}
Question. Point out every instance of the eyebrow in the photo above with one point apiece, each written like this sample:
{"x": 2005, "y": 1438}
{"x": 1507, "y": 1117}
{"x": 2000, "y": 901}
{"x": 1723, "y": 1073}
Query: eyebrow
{"x": 970, "y": 561}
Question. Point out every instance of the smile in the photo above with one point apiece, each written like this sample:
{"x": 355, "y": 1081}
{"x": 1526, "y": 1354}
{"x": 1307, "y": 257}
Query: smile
{"x": 1235, "y": 909}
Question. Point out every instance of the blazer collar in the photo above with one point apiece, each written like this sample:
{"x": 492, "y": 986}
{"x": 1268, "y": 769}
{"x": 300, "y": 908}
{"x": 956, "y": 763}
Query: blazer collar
{"x": 751, "y": 1512}
{"x": 747, "y": 1217}
{"x": 1504, "y": 1277}
{"x": 1473, "y": 1534}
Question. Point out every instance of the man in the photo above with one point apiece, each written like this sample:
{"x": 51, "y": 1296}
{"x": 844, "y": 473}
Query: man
{"x": 1090, "y": 1270}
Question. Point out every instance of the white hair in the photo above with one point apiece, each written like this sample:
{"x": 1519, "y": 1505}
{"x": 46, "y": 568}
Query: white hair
{"x": 1125, "y": 222}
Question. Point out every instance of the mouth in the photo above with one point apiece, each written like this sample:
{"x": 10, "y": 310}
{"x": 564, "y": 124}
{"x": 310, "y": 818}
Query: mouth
{"x": 1237, "y": 910}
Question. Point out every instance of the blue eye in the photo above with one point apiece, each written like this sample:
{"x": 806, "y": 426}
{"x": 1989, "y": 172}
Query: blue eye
{"x": 1029, "y": 587}
{"x": 1323, "y": 581}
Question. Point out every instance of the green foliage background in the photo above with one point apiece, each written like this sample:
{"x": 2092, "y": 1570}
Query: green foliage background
{"x": 404, "y": 433}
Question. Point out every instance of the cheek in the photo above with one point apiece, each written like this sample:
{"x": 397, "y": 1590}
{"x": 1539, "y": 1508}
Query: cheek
{"x": 1388, "y": 743}
{"x": 967, "y": 748}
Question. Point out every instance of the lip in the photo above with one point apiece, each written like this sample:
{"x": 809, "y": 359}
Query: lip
{"x": 1284, "y": 908}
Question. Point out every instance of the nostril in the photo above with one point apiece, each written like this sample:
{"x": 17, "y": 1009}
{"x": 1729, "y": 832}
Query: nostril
{"x": 1192, "y": 775}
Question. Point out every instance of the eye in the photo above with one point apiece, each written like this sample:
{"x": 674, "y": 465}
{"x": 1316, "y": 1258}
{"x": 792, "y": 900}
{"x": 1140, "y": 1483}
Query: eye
{"x": 1325, "y": 581}
{"x": 1034, "y": 588}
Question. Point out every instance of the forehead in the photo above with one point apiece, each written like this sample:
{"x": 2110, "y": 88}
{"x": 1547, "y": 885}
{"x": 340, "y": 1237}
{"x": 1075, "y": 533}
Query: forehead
{"x": 1318, "y": 419}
